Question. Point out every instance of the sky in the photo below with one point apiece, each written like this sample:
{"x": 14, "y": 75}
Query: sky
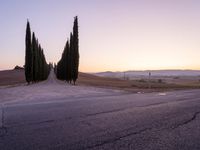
{"x": 115, "y": 35}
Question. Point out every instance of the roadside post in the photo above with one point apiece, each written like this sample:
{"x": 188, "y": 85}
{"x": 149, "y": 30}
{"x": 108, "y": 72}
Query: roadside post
{"x": 149, "y": 80}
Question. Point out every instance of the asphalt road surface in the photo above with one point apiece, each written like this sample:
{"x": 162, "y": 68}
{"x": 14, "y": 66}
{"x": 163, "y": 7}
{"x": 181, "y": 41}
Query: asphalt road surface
{"x": 97, "y": 119}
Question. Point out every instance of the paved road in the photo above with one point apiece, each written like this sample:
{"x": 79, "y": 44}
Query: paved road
{"x": 117, "y": 121}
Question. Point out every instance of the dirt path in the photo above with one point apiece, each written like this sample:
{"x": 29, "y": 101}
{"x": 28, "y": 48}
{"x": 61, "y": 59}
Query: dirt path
{"x": 50, "y": 90}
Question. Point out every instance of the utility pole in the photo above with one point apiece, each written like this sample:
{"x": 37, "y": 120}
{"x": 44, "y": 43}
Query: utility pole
{"x": 149, "y": 80}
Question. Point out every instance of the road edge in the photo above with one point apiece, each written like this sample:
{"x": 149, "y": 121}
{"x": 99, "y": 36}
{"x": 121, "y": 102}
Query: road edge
{"x": 1, "y": 116}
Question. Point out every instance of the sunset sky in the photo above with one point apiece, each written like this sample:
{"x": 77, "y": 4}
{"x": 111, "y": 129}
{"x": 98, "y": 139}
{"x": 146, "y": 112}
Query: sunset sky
{"x": 115, "y": 35}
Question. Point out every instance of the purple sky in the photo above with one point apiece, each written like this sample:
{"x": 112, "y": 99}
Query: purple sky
{"x": 114, "y": 34}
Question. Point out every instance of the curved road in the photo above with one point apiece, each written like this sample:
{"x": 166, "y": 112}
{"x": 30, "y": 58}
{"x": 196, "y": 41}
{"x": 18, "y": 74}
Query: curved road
{"x": 54, "y": 115}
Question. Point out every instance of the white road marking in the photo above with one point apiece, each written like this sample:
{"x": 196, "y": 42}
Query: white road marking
{"x": 162, "y": 94}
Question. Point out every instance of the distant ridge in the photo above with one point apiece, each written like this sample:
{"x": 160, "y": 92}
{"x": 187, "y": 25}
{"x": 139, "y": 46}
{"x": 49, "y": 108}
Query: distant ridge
{"x": 131, "y": 73}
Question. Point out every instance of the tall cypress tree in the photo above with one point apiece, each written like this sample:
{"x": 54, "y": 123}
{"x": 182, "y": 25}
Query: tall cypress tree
{"x": 36, "y": 67}
{"x": 42, "y": 66}
{"x": 76, "y": 50}
{"x": 34, "y": 48}
{"x": 71, "y": 59}
{"x": 40, "y": 63}
{"x": 67, "y": 62}
{"x": 28, "y": 54}
{"x": 67, "y": 67}
{"x": 37, "y": 61}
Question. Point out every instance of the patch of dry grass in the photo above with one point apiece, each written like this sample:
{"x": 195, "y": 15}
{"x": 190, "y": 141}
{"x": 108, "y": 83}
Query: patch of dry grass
{"x": 135, "y": 85}
{"x": 12, "y": 77}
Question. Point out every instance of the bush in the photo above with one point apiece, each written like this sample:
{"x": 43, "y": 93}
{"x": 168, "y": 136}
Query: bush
{"x": 160, "y": 81}
{"x": 142, "y": 80}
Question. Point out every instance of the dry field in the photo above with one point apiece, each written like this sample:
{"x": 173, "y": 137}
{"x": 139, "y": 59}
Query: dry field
{"x": 16, "y": 77}
{"x": 12, "y": 77}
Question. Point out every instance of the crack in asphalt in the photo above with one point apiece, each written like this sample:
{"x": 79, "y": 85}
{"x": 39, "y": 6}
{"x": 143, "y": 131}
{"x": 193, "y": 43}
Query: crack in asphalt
{"x": 113, "y": 140}
{"x": 122, "y": 109}
{"x": 3, "y": 131}
{"x": 31, "y": 123}
{"x": 106, "y": 112}
{"x": 2, "y": 112}
{"x": 194, "y": 116}
{"x": 3, "y": 117}
{"x": 41, "y": 122}
{"x": 144, "y": 106}
{"x": 151, "y": 105}
{"x": 109, "y": 141}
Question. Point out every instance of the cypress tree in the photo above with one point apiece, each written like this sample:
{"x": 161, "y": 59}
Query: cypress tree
{"x": 46, "y": 70}
{"x": 37, "y": 61}
{"x": 58, "y": 70}
{"x": 36, "y": 67}
{"x": 43, "y": 75}
{"x": 67, "y": 67}
{"x": 64, "y": 62}
{"x": 61, "y": 67}
{"x": 67, "y": 62}
{"x": 71, "y": 56}
{"x": 28, "y": 54}
{"x": 40, "y": 63}
{"x": 43, "y": 66}
{"x": 34, "y": 48}
{"x": 76, "y": 50}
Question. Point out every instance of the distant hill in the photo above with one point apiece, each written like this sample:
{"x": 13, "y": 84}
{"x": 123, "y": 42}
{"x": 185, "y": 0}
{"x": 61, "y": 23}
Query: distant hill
{"x": 146, "y": 73}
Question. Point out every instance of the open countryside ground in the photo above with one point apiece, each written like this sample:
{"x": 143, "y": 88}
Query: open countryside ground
{"x": 10, "y": 78}
{"x": 53, "y": 115}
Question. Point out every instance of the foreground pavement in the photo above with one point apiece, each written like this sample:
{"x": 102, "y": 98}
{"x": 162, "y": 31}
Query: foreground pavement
{"x": 98, "y": 119}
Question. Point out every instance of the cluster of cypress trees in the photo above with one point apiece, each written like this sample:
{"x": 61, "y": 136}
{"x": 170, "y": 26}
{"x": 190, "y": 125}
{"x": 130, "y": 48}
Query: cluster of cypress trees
{"x": 67, "y": 68}
{"x": 36, "y": 67}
